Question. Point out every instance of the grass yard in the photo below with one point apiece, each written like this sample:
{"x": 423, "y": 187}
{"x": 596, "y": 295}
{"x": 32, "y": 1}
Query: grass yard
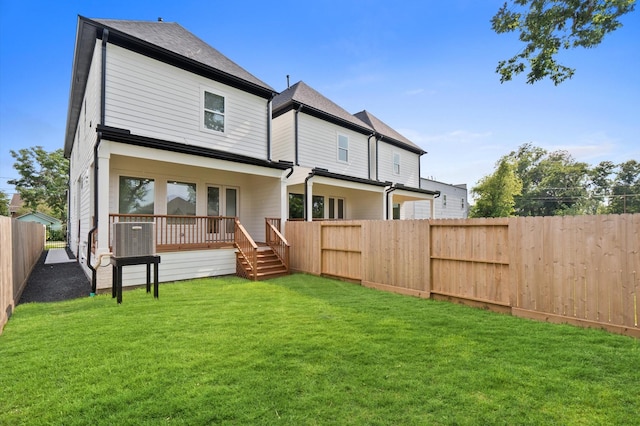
{"x": 304, "y": 350}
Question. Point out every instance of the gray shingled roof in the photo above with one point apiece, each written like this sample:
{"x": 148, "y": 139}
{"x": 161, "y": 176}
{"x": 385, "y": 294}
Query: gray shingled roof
{"x": 305, "y": 95}
{"x": 174, "y": 38}
{"x": 385, "y": 130}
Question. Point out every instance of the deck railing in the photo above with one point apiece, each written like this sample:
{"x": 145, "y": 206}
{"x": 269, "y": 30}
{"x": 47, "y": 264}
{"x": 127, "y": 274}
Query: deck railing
{"x": 178, "y": 233}
{"x": 247, "y": 250}
{"x": 276, "y": 240}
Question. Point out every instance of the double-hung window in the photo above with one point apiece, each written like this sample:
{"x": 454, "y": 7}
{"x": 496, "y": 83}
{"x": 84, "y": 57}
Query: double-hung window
{"x": 214, "y": 111}
{"x": 343, "y": 148}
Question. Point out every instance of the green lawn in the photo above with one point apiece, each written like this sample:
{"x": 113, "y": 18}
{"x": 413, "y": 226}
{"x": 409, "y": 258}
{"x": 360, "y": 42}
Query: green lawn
{"x": 303, "y": 350}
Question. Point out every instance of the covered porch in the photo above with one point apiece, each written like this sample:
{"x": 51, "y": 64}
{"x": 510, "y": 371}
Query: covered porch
{"x": 209, "y": 214}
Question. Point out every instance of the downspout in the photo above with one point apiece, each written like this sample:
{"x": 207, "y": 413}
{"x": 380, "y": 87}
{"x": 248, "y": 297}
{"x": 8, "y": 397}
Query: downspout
{"x": 306, "y": 209}
{"x": 269, "y": 113}
{"x": 103, "y": 86}
{"x": 386, "y": 194}
{"x": 369, "y": 153}
{"x": 377, "y": 159}
{"x": 297, "y": 163}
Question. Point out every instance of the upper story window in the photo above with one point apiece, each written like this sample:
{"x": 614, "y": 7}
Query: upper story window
{"x": 136, "y": 195}
{"x": 396, "y": 163}
{"x": 343, "y": 148}
{"x": 214, "y": 111}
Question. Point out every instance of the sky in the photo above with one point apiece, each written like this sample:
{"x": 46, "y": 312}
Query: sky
{"x": 424, "y": 67}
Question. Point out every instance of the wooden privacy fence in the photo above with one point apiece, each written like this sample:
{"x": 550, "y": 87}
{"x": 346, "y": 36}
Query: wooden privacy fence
{"x": 583, "y": 270}
{"x": 21, "y": 244}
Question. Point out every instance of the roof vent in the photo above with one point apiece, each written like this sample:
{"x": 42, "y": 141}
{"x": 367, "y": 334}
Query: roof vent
{"x": 160, "y": 19}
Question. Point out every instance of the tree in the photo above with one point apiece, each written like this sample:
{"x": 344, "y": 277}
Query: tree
{"x": 553, "y": 183}
{"x": 43, "y": 180}
{"x": 4, "y": 204}
{"x": 496, "y": 192}
{"x": 625, "y": 189}
{"x": 547, "y": 26}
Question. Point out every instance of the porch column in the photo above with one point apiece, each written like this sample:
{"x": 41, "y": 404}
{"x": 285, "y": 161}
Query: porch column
{"x": 284, "y": 203}
{"x": 432, "y": 204}
{"x": 309, "y": 201}
{"x": 104, "y": 155}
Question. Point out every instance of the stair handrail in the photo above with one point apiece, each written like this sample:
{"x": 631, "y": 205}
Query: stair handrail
{"x": 277, "y": 242}
{"x": 247, "y": 248}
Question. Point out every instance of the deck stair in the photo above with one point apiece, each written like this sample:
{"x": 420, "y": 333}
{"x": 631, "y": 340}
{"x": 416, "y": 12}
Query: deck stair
{"x": 269, "y": 264}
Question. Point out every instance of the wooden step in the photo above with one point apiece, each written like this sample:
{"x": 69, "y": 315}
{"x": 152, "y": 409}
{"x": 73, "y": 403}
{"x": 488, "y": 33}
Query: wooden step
{"x": 269, "y": 264}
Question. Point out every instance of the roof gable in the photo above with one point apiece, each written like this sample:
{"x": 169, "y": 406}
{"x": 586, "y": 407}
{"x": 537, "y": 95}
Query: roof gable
{"x": 300, "y": 94}
{"x": 174, "y": 38}
{"x": 43, "y": 217}
{"x": 386, "y": 131}
{"x": 164, "y": 41}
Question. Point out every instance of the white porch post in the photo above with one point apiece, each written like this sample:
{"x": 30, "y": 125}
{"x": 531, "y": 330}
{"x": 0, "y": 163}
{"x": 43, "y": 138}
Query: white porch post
{"x": 104, "y": 155}
{"x": 284, "y": 203}
{"x": 309, "y": 201}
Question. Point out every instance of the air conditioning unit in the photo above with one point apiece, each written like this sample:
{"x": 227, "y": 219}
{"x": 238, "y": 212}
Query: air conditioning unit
{"x": 133, "y": 239}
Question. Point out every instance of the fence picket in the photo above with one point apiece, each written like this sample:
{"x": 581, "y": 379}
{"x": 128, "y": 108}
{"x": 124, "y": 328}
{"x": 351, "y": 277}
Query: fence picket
{"x": 582, "y": 269}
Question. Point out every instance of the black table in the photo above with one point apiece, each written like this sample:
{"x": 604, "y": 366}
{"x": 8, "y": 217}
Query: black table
{"x": 119, "y": 262}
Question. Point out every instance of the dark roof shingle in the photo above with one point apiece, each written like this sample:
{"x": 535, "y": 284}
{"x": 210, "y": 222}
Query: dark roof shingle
{"x": 302, "y": 94}
{"x": 385, "y": 130}
{"x": 175, "y": 38}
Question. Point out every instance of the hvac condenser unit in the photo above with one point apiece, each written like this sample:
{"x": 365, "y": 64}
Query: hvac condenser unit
{"x": 133, "y": 239}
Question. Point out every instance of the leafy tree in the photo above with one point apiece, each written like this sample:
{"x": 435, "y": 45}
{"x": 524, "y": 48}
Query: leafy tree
{"x": 4, "y": 204}
{"x": 599, "y": 187}
{"x": 625, "y": 189}
{"x": 43, "y": 180}
{"x": 496, "y": 192}
{"x": 552, "y": 183}
{"x": 547, "y": 26}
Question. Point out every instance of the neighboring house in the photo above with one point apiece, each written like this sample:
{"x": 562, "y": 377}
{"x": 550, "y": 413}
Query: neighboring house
{"x": 50, "y": 222}
{"x": 451, "y": 204}
{"x": 346, "y": 166}
{"x": 162, "y": 127}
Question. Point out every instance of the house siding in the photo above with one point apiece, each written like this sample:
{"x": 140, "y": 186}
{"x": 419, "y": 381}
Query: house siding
{"x": 317, "y": 147}
{"x": 454, "y": 209}
{"x": 81, "y": 170}
{"x": 409, "y": 165}
{"x": 151, "y": 98}
{"x": 175, "y": 267}
{"x": 283, "y": 137}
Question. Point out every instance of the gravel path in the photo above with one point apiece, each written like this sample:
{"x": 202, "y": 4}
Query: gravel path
{"x": 55, "y": 282}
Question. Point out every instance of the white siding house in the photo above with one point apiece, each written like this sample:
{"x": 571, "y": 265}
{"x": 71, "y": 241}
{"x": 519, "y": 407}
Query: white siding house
{"x": 163, "y": 128}
{"x": 348, "y": 166}
{"x": 451, "y": 204}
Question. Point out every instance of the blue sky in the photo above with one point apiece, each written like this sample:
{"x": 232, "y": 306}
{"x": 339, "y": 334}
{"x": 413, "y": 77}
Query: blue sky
{"x": 426, "y": 68}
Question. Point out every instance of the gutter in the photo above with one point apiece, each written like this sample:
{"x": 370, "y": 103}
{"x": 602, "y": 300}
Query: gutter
{"x": 295, "y": 137}
{"x": 386, "y": 194}
{"x": 103, "y": 102}
{"x": 306, "y": 208}
{"x": 269, "y": 112}
{"x": 369, "y": 154}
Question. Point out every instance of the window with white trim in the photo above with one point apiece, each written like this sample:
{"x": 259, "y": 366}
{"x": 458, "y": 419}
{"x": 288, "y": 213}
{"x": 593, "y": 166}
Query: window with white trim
{"x": 213, "y": 116}
{"x": 396, "y": 163}
{"x": 343, "y": 148}
{"x": 336, "y": 208}
{"x": 136, "y": 195}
